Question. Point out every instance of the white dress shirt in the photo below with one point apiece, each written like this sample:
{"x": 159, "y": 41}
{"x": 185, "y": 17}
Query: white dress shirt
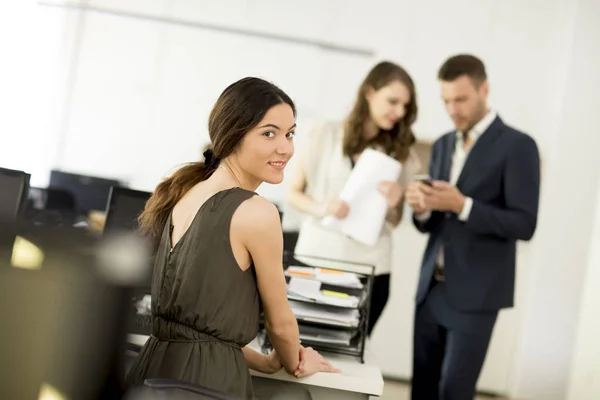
{"x": 459, "y": 157}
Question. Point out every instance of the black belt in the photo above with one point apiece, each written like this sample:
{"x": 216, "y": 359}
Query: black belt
{"x": 200, "y": 339}
{"x": 171, "y": 331}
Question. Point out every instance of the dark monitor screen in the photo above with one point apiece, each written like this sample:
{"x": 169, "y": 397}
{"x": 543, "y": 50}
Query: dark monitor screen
{"x": 90, "y": 193}
{"x": 124, "y": 207}
{"x": 12, "y": 187}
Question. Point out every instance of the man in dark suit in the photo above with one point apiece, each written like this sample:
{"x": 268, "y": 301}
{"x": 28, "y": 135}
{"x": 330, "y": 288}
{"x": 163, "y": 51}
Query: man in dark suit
{"x": 482, "y": 197}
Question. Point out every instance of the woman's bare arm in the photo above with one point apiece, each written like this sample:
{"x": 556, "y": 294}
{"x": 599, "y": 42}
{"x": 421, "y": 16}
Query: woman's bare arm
{"x": 260, "y": 362}
{"x": 259, "y": 226}
{"x": 296, "y": 194}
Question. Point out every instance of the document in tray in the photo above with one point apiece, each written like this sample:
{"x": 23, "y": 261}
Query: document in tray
{"x": 317, "y": 313}
{"x": 339, "y": 278}
{"x": 328, "y": 276}
{"x": 301, "y": 292}
{"x": 300, "y": 288}
{"x": 325, "y": 335}
{"x": 368, "y": 207}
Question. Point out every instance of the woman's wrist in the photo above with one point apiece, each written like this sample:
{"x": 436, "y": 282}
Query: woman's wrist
{"x": 272, "y": 364}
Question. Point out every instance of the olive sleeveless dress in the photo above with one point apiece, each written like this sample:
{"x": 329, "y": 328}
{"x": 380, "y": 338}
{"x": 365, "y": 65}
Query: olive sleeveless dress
{"x": 204, "y": 307}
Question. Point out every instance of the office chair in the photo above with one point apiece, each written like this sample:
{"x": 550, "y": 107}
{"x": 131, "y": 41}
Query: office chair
{"x": 159, "y": 389}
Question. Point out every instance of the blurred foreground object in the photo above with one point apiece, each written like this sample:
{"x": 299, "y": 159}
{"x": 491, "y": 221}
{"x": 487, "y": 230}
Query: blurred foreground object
{"x": 66, "y": 298}
{"x": 96, "y": 221}
{"x": 26, "y": 255}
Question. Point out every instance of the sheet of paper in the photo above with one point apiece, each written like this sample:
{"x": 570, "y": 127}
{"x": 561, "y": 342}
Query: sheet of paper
{"x": 339, "y": 278}
{"x": 367, "y": 205}
{"x": 316, "y": 313}
{"x": 322, "y": 298}
{"x": 328, "y": 276}
{"x": 304, "y": 287}
{"x": 325, "y": 335}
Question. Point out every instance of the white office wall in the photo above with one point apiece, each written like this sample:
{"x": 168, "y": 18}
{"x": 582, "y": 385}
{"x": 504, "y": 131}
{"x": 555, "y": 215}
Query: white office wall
{"x": 561, "y": 267}
{"x": 33, "y": 73}
{"x": 144, "y": 88}
{"x": 523, "y": 44}
{"x": 585, "y": 369}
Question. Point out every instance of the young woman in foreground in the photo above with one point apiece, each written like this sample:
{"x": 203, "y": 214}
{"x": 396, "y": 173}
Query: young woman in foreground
{"x": 220, "y": 253}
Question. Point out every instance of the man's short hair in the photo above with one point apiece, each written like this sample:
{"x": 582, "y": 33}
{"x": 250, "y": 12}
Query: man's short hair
{"x": 462, "y": 64}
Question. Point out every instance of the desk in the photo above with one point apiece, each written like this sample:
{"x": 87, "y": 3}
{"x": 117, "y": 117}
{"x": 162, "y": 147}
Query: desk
{"x": 355, "y": 381}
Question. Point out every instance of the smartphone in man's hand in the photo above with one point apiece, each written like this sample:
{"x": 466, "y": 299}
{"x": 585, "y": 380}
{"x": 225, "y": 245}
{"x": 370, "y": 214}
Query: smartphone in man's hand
{"x": 426, "y": 179}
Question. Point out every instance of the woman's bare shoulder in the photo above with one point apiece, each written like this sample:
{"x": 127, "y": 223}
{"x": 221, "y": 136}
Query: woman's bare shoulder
{"x": 256, "y": 214}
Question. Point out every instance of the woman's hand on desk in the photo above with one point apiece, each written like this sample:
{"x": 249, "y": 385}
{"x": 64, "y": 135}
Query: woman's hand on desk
{"x": 273, "y": 363}
{"x": 337, "y": 208}
{"x": 312, "y": 362}
{"x": 392, "y": 192}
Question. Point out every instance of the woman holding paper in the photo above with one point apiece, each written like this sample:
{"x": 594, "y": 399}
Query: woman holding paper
{"x": 381, "y": 119}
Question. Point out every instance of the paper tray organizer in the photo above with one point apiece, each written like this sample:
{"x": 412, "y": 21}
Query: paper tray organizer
{"x": 333, "y": 311}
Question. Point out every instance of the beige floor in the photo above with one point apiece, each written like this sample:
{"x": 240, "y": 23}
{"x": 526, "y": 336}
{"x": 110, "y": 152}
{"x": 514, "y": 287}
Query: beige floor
{"x": 401, "y": 391}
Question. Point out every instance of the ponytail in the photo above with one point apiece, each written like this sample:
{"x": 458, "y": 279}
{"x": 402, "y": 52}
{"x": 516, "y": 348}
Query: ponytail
{"x": 168, "y": 193}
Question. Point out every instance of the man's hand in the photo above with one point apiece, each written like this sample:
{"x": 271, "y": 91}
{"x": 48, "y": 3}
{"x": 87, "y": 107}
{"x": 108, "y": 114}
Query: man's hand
{"x": 415, "y": 197}
{"x": 443, "y": 196}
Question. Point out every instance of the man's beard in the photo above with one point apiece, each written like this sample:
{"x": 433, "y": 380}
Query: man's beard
{"x": 481, "y": 111}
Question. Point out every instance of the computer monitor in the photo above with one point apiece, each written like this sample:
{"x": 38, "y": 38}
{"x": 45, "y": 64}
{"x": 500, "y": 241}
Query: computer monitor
{"x": 123, "y": 208}
{"x": 90, "y": 193}
{"x": 12, "y": 192}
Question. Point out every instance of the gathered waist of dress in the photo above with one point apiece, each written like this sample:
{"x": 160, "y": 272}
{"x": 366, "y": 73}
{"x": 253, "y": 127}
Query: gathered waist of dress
{"x": 178, "y": 332}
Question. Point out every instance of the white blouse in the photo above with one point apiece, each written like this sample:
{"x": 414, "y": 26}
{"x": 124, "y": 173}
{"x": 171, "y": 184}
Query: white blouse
{"x": 327, "y": 169}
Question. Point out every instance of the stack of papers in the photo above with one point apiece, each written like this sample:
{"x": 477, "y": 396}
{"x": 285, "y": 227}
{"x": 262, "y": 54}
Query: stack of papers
{"x": 306, "y": 289}
{"x": 368, "y": 206}
{"x": 326, "y": 336}
{"x": 328, "y": 276}
{"x": 325, "y": 298}
{"x": 319, "y": 314}
{"x": 339, "y": 278}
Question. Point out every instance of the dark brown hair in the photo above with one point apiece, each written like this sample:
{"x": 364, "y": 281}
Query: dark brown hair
{"x": 462, "y": 64}
{"x": 397, "y": 141}
{"x": 238, "y": 110}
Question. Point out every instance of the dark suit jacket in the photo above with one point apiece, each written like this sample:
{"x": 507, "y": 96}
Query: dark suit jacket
{"x": 502, "y": 176}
